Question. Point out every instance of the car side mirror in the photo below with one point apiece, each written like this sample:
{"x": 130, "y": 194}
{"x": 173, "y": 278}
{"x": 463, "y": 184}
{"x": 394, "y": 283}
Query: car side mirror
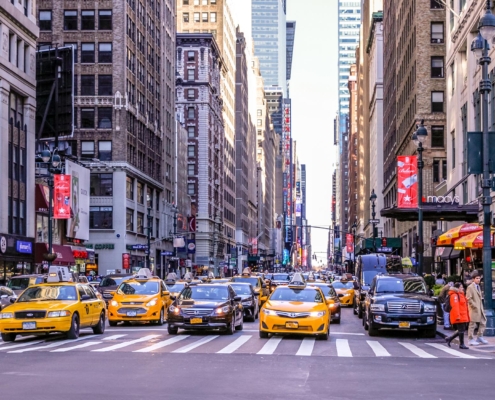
{"x": 85, "y": 297}
{"x": 3, "y": 296}
{"x": 173, "y": 297}
{"x": 237, "y": 298}
{"x": 12, "y": 300}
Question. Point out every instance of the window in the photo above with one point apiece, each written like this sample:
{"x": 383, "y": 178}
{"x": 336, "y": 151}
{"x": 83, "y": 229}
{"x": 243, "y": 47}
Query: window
{"x": 190, "y": 74}
{"x": 436, "y": 101}
{"x": 259, "y": 122}
{"x": 190, "y": 94}
{"x": 213, "y": 17}
{"x": 437, "y": 136}
{"x": 436, "y": 171}
{"x": 444, "y": 170}
{"x": 190, "y": 112}
{"x": 196, "y": 17}
{"x": 129, "y": 220}
{"x": 453, "y": 148}
{"x": 213, "y": 1}
{"x": 437, "y": 67}
{"x": 191, "y": 56}
{"x": 437, "y": 32}
{"x": 149, "y": 197}
{"x": 105, "y": 150}
{"x": 436, "y": 5}
{"x": 88, "y": 20}
{"x": 190, "y": 188}
{"x": 191, "y": 131}
{"x": 105, "y": 117}
{"x": 87, "y": 85}
{"x": 140, "y": 222}
{"x": 190, "y": 151}
{"x": 105, "y": 85}
{"x": 185, "y": 17}
{"x": 204, "y": 17}
{"x": 140, "y": 193}
{"x": 259, "y": 113}
{"x": 129, "y": 188}
{"x": 105, "y": 20}
{"x": 190, "y": 169}
{"x": 88, "y": 149}
{"x": 45, "y": 20}
{"x": 185, "y": 2}
{"x": 101, "y": 185}
{"x": 196, "y": 2}
{"x": 70, "y": 20}
{"x": 87, "y": 118}
{"x": 204, "y": 2}
{"x": 100, "y": 217}
{"x": 105, "y": 52}
{"x": 87, "y": 52}
{"x": 74, "y": 45}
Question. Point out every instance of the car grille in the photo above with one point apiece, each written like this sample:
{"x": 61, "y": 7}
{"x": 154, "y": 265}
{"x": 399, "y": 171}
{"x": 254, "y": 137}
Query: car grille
{"x": 132, "y": 303}
{"x": 30, "y": 314}
{"x": 397, "y": 307}
{"x": 124, "y": 310}
{"x": 292, "y": 314}
{"x": 197, "y": 312}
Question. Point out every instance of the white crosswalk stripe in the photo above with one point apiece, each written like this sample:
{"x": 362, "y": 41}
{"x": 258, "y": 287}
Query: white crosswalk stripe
{"x": 306, "y": 348}
{"x": 51, "y": 345}
{"x": 378, "y": 349}
{"x": 235, "y": 344}
{"x": 125, "y": 344}
{"x": 194, "y": 345}
{"x": 159, "y": 345}
{"x": 416, "y": 350}
{"x": 79, "y": 346}
{"x": 450, "y": 351}
{"x": 343, "y": 349}
{"x": 114, "y": 337}
{"x": 21, "y": 345}
{"x": 270, "y": 346}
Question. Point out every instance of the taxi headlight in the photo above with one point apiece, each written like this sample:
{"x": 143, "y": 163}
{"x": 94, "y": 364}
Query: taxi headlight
{"x": 332, "y": 305}
{"x": 317, "y": 313}
{"x": 114, "y": 303}
{"x": 269, "y": 312}
{"x": 377, "y": 307}
{"x": 222, "y": 310}
{"x": 56, "y": 314}
{"x": 346, "y": 294}
{"x": 151, "y": 303}
{"x": 6, "y": 315}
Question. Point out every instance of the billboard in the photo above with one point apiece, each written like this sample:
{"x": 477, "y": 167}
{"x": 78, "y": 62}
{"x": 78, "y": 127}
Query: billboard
{"x": 78, "y": 224}
{"x": 349, "y": 242}
{"x": 298, "y": 206}
{"x": 61, "y": 196}
{"x": 407, "y": 182}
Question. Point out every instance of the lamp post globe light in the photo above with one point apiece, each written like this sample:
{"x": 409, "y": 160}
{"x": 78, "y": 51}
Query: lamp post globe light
{"x": 480, "y": 47}
{"x": 373, "y": 198}
{"x": 419, "y": 138}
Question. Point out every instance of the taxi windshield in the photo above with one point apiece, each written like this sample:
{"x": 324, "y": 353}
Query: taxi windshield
{"x": 303, "y": 295}
{"x": 204, "y": 293}
{"x": 176, "y": 287}
{"x": 113, "y": 281}
{"x": 280, "y": 277}
{"x": 241, "y": 289}
{"x": 47, "y": 293}
{"x": 343, "y": 285}
{"x": 253, "y": 281}
{"x": 138, "y": 288}
{"x": 327, "y": 290}
{"x": 18, "y": 283}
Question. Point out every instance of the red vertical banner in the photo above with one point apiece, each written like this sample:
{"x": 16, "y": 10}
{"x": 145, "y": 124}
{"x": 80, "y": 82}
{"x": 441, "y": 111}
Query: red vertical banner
{"x": 407, "y": 182}
{"x": 61, "y": 196}
{"x": 126, "y": 261}
{"x": 349, "y": 242}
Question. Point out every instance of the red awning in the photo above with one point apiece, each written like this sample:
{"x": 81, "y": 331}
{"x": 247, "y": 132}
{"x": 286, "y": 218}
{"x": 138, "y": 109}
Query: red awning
{"x": 41, "y": 199}
{"x": 64, "y": 254}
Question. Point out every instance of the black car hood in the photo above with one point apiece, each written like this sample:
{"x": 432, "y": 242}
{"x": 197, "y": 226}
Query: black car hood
{"x": 202, "y": 303}
{"x": 403, "y": 296}
{"x": 246, "y": 296}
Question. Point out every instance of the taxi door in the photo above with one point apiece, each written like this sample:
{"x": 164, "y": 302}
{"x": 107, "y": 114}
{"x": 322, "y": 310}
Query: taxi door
{"x": 96, "y": 305}
{"x": 165, "y": 297}
{"x": 87, "y": 309}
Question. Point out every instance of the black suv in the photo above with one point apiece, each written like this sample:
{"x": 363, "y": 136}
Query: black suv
{"x": 399, "y": 302}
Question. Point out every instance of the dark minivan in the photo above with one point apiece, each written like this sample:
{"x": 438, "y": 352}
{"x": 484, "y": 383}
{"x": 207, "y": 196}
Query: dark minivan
{"x": 367, "y": 267}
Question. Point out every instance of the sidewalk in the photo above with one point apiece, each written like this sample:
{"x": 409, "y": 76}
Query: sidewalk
{"x": 481, "y": 347}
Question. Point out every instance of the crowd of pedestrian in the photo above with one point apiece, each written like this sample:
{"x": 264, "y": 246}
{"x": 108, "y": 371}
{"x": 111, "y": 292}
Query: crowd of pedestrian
{"x": 463, "y": 310}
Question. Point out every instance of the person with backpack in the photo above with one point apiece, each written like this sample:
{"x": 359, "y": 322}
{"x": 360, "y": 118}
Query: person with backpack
{"x": 441, "y": 298}
{"x": 457, "y": 305}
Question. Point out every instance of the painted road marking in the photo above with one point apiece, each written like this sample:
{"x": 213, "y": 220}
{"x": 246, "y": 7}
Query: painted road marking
{"x": 343, "y": 349}
{"x": 114, "y": 337}
{"x": 270, "y": 346}
{"x": 79, "y": 346}
{"x": 49, "y": 346}
{"x": 306, "y": 348}
{"x": 198, "y": 343}
{"x": 159, "y": 345}
{"x": 378, "y": 349}
{"x": 125, "y": 344}
{"x": 450, "y": 351}
{"x": 235, "y": 344}
{"x": 416, "y": 350}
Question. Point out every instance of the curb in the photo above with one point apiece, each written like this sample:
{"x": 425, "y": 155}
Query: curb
{"x": 442, "y": 334}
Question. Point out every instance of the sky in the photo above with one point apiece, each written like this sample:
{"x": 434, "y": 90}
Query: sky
{"x": 314, "y": 94}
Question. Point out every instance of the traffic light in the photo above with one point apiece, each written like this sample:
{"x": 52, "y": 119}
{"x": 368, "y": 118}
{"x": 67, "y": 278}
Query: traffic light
{"x": 384, "y": 242}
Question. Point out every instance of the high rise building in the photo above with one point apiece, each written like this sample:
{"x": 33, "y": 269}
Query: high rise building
{"x": 124, "y": 118}
{"x": 18, "y": 34}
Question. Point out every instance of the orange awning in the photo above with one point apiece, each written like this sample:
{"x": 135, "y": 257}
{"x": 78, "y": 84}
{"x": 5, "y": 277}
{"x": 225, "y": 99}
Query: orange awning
{"x": 448, "y": 238}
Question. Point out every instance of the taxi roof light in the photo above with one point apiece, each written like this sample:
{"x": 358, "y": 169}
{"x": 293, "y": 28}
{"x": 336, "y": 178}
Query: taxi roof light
{"x": 59, "y": 274}
{"x": 246, "y": 272}
{"x": 144, "y": 273}
{"x": 188, "y": 277}
{"x": 297, "y": 281}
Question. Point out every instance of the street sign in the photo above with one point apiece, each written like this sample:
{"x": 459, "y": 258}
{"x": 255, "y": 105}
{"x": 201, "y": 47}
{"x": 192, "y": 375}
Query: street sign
{"x": 167, "y": 253}
{"x": 374, "y": 221}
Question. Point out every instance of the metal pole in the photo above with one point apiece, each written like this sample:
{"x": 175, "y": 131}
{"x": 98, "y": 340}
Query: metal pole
{"x": 175, "y": 248}
{"x": 373, "y": 214}
{"x": 149, "y": 239}
{"x": 419, "y": 247}
{"x": 50, "y": 211}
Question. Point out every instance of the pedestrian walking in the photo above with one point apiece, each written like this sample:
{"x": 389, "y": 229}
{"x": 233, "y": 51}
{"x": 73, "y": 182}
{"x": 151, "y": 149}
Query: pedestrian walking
{"x": 439, "y": 280}
{"x": 442, "y": 297}
{"x": 459, "y": 314}
{"x": 476, "y": 312}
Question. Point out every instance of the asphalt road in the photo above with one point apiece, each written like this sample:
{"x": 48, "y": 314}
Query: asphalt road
{"x": 141, "y": 362}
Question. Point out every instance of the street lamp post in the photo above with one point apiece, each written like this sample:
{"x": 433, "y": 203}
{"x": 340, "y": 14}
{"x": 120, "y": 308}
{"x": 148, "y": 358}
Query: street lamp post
{"x": 480, "y": 47}
{"x": 419, "y": 137}
{"x": 354, "y": 227}
{"x": 175, "y": 211}
{"x": 150, "y": 224}
{"x": 373, "y": 215}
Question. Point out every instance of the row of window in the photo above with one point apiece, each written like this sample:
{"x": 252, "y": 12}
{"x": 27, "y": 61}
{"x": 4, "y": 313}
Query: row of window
{"x": 139, "y": 226}
{"x": 200, "y": 17}
{"x": 88, "y": 85}
{"x": 104, "y": 118}
{"x": 104, "y": 153}
{"x": 140, "y": 187}
{"x": 88, "y": 52}
{"x": 199, "y": 2}
{"x": 88, "y": 20}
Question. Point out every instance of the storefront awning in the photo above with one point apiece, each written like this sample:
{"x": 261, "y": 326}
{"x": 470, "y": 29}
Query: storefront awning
{"x": 446, "y": 253}
{"x": 434, "y": 212}
{"x": 64, "y": 254}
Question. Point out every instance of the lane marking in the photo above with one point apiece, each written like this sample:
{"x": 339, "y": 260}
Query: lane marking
{"x": 49, "y": 346}
{"x": 343, "y": 349}
{"x": 22, "y": 345}
{"x": 270, "y": 346}
{"x": 159, "y": 345}
{"x": 79, "y": 346}
{"x": 416, "y": 350}
{"x": 378, "y": 349}
{"x": 450, "y": 351}
{"x": 235, "y": 344}
{"x": 346, "y": 333}
{"x": 198, "y": 343}
{"x": 114, "y": 337}
{"x": 306, "y": 347}
{"x": 125, "y": 344}
{"x": 135, "y": 329}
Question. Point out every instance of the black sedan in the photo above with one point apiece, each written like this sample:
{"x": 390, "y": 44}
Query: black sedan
{"x": 278, "y": 279}
{"x": 250, "y": 300}
{"x": 205, "y": 307}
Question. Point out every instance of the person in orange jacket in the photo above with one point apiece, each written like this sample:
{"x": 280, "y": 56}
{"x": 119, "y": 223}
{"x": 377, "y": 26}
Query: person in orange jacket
{"x": 459, "y": 315}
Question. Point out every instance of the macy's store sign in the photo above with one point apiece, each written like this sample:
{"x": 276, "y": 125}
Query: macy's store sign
{"x": 443, "y": 199}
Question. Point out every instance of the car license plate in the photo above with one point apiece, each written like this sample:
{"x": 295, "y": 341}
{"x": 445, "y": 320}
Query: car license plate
{"x": 131, "y": 313}
{"x": 404, "y": 324}
{"x": 196, "y": 320}
{"x": 29, "y": 325}
{"x": 292, "y": 325}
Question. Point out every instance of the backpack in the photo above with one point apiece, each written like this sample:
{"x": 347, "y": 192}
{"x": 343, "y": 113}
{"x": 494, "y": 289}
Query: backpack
{"x": 446, "y": 305}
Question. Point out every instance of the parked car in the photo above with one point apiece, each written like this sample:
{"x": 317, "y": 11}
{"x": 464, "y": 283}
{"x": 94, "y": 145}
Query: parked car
{"x": 5, "y": 295}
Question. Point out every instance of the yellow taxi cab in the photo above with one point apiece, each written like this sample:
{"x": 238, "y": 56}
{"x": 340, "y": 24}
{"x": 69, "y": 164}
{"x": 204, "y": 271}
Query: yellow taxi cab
{"x": 345, "y": 291}
{"x": 259, "y": 285}
{"x": 143, "y": 298}
{"x": 296, "y": 309}
{"x": 174, "y": 285}
{"x": 60, "y": 305}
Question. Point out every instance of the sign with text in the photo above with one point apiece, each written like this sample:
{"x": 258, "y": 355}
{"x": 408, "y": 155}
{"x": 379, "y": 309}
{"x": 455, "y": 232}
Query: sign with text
{"x": 407, "y": 182}
{"x": 61, "y": 197}
{"x": 78, "y": 223}
{"x": 349, "y": 242}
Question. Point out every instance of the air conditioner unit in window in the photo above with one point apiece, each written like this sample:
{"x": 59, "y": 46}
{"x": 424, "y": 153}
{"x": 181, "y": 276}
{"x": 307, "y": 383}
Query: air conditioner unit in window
{"x": 217, "y": 147}
{"x": 217, "y": 182}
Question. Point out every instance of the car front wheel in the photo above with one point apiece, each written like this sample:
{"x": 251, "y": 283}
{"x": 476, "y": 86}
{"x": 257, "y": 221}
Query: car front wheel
{"x": 73, "y": 332}
{"x": 8, "y": 337}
